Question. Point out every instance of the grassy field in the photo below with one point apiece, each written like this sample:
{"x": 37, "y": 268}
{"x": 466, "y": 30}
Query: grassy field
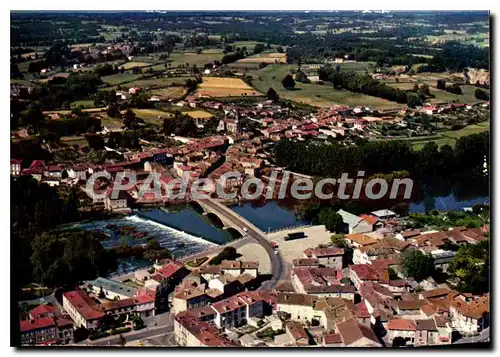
{"x": 135, "y": 64}
{"x": 151, "y": 116}
{"x": 169, "y": 92}
{"x": 118, "y": 78}
{"x": 88, "y": 103}
{"x": 270, "y": 58}
{"x": 449, "y": 137}
{"x": 192, "y": 58}
{"x": 225, "y": 87}
{"x": 199, "y": 114}
{"x": 157, "y": 82}
{"x": 467, "y": 95}
{"x": 313, "y": 94}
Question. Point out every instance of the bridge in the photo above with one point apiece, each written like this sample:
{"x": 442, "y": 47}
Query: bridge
{"x": 233, "y": 220}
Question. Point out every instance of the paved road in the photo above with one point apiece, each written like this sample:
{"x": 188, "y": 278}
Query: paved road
{"x": 132, "y": 336}
{"x": 277, "y": 263}
{"x": 484, "y": 336}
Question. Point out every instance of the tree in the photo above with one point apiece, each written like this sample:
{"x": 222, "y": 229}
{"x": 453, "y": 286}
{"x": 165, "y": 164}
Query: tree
{"x": 338, "y": 240}
{"x": 471, "y": 268}
{"x": 331, "y": 219}
{"x": 288, "y": 82}
{"x": 113, "y": 111}
{"x": 301, "y": 77}
{"x": 69, "y": 258}
{"x": 455, "y": 89}
{"x": 481, "y": 94}
{"x": 417, "y": 265}
{"x": 280, "y": 49}
{"x": 129, "y": 119}
{"x": 258, "y": 48}
{"x": 228, "y": 253}
{"x": 441, "y": 84}
{"x": 34, "y": 115}
{"x": 413, "y": 100}
{"x": 272, "y": 95}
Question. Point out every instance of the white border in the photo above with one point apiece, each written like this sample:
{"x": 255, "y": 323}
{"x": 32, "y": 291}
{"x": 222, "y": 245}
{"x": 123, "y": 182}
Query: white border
{"x": 199, "y": 5}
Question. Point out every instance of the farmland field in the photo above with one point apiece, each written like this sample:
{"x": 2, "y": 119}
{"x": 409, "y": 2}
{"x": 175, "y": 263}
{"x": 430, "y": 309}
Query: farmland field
{"x": 169, "y": 92}
{"x": 199, "y": 114}
{"x": 134, "y": 64}
{"x": 151, "y": 116}
{"x": 312, "y": 94}
{"x": 192, "y": 58}
{"x": 118, "y": 78}
{"x": 449, "y": 137}
{"x": 265, "y": 58}
{"x": 83, "y": 103}
{"x": 157, "y": 82}
{"x": 225, "y": 87}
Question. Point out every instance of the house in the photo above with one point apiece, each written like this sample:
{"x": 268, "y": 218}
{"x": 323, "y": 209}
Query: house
{"x": 403, "y": 330}
{"x": 470, "y": 318}
{"x": 384, "y": 214}
{"x": 328, "y": 311}
{"x": 330, "y": 257}
{"x": 296, "y": 332}
{"x": 357, "y": 240}
{"x": 189, "y": 331}
{"x": 82, "y": 309}
{"x": 46, "y": 326}
{"x": 360, "y": 273}
{"x": 118, "y": 203}
{"x": 189, "y": 297}
{"x": 40, "y": 331}
{"x": 354, "y": 224}
{"x": 238, "y": 267}
{"x": 111, "y": 289}
{"x": 429, "y": 110}
{"x": 354, "y": 334}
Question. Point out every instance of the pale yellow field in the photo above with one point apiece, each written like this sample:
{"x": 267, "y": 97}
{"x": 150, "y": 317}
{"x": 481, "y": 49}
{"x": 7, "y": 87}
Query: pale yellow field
{"x": 199, "y": 114}
{"x": 225, "y": 87}
{"x": 266, "y": 58}
{"x": 130, "y": 65}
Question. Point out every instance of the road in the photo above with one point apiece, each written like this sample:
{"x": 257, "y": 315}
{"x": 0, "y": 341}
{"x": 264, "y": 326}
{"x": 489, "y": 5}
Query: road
{"x": 484, "y": 336}
{"x": 277, "y": 263}
{"x": 143, "y": 334}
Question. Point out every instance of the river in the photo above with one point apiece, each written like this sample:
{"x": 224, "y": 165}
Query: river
{"x": 183, "y": 231}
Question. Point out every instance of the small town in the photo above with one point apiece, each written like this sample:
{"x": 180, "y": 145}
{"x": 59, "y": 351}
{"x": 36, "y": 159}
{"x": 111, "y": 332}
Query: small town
{"x": 189, "y": 98}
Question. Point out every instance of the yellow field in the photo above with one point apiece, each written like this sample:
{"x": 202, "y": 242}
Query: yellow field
{"x": 266, "y": 58}
{"x": 170, "y": 92}
{"x": 225, "y": 87}
{"x": 199, "y": 114}
{"x": 133, "y": 64}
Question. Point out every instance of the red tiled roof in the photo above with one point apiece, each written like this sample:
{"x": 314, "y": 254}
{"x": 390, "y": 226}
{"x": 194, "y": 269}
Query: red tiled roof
{"x": 370, "y": 219}
{"x": 364, "y": 271}
{"x": 34, "y": 324}
{"x": 44, "y": 310}
{"x": 401, "y": 325}
{"x": 83, "y": 304}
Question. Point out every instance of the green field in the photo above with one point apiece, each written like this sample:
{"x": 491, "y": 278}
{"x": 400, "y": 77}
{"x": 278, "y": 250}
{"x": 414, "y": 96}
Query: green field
{"x": 192, "y": 58}
{"x": 150, "y": 116}
{"x": 157, "y": 82}
{"x": 449, "y": 137}
{"x": 88, "y": 103}
{"x": 311, "y": 93}
{"x": 118, "y": 78}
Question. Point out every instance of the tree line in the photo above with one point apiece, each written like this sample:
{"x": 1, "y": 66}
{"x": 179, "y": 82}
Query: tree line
{"x": 362, "y": 83}
{"x": 373, "y": 157}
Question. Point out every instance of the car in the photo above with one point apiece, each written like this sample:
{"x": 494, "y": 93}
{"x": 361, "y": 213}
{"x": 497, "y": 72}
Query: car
{"x": 245, "y": 229}
{"x": 276, "y": 252}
